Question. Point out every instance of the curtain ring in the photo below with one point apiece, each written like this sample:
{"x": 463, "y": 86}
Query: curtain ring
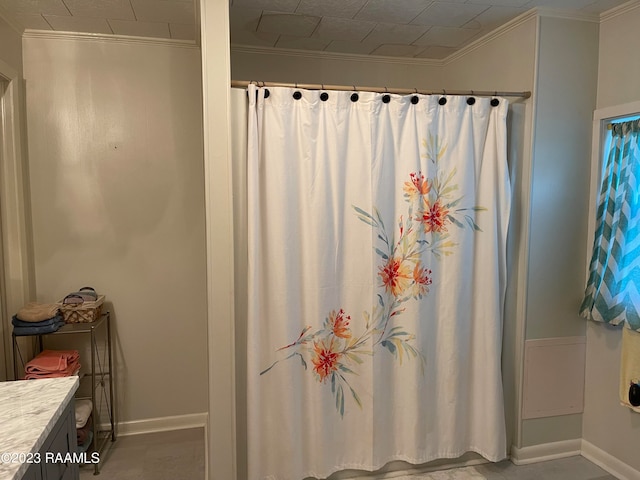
{"x": 415, "y": 89}
{"x": 386, "y": 90}
{"x": 354, "y": 88}
{"x": 444, "y": 92}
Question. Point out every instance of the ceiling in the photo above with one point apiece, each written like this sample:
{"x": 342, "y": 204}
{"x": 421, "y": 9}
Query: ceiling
{"x": 396, "y": 28}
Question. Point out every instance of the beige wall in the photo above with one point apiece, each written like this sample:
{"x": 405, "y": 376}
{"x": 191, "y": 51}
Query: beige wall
{"x": 303, "y": 67}
{"x": 619, "y": 66}
{"x": 117, "y": 193}
{"x": 608, "y": 425}
{"x": 564, "y": 101}
{"x": 504, "y": 61}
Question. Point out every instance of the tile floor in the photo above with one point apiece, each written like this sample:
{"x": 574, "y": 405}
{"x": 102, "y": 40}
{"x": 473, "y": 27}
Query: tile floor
{"x": 175, "y": 455}
{"x": 572, "y": 468}
{"x": 179, "y": 455}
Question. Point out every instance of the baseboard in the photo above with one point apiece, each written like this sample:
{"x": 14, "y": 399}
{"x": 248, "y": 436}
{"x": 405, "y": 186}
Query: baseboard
{"x": 608, "y": 462}
{"x": 162, "y": 424}
{"x": 546, "y": 451}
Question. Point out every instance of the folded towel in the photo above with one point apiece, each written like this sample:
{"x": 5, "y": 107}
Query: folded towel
{"x": 85, "y": 446}
{"x": 44, "y": 323}
{"x": 83, "y": 411}
{"x": 630, "y": 369}
{"x": 54, "y": 361}
{"x": 38, "y": 376}
{"x": 83, "y": 432}
{"x": 37, "y": 312}
{"x": 24, "y": 331}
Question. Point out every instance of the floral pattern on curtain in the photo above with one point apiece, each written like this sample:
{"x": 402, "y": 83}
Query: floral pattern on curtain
{"x": 377, "y": 273}
{"x": 611, "y": 294}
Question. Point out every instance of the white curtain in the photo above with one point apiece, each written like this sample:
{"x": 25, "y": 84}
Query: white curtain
{"x": 376, "y": 246}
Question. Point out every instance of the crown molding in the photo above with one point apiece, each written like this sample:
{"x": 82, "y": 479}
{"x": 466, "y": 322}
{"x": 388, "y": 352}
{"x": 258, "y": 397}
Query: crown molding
{"x": 494, "y": 34}
{"x": 344, "y": 57}
{"x": 619, "y": 10}
{"x": 110, "y": 38}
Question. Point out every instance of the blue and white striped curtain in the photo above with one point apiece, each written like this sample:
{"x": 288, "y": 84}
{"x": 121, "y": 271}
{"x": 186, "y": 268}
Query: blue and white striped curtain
{"x": 612, "y": 294}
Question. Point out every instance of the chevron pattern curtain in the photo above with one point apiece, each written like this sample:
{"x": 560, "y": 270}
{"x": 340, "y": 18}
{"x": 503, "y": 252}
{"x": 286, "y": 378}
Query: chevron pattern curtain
{"x": 612, "y": 294}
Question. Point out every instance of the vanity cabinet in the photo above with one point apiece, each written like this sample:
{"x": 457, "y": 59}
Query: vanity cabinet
{"x": 60, "y": 442}
{"x": 37, "y": 429}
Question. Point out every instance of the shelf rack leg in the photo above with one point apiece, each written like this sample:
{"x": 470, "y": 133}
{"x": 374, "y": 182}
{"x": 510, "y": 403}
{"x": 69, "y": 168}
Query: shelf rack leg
{"x": 111, "y": 373}
{"x": 96, "y": 440}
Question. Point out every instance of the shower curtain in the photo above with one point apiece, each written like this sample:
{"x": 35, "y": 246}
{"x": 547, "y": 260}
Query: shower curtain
{"x": 377, "y": 231}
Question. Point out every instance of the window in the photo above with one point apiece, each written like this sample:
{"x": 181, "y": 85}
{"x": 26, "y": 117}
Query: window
{"x": 612, "y": 294}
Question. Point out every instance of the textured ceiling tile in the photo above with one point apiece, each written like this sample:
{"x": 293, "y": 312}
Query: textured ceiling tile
{"x": 182, "y": 31}
{"x": 176, "y": 11}
{"x": 330, "y": 8}
{"x": 446, "y": 37}
{"x": 332, "y": 28}
{"x": 448, "y": 14}
{"x": 272, "y": 5}
{"x": 244, "y": 18}
{"x": 253, "y": 39}
{"x": 116, "y": 9}
{"x": 36, "y": 7}
{"x": 496, "y": 16}
{"x": 78, "y": 24}
{"x": 394, "y": 33}
{"x": 354, "y": 48}
{"x": 36, "y": 22}
{"x": 397, "y": 50}
{"x": 288, "y": 24}
{"x": 302, "y": 43}
{"x": 140, "y": 29}
{"x": 392, "y": 11}
{"x": 601, "y": 6}
{"x": 436, "y": 53}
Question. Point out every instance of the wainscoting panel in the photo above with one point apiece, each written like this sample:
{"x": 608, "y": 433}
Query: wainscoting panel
{"x": 553, "y": 377}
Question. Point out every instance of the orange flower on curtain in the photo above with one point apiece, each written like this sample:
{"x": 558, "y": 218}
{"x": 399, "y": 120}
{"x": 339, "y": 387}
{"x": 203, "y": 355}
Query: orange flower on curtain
{"x": 404, "y": 273}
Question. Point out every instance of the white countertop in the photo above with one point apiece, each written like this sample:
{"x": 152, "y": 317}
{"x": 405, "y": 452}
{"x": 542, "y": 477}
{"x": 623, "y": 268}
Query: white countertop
{"x": 29, "y": 409}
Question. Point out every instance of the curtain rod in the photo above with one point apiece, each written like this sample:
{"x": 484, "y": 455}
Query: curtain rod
{"x": 400, "y": 91}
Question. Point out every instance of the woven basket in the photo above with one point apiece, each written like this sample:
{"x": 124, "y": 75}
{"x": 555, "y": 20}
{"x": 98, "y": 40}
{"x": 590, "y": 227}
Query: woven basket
{"x": 85, "y": 312}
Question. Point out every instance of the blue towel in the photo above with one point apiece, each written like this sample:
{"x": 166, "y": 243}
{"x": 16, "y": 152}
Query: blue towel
{"x": 23, "y": 331}
{"x": 44, "y": 323}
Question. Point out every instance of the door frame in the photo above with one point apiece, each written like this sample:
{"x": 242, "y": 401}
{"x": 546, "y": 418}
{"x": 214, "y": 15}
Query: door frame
{"x": 16, "y": 266}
